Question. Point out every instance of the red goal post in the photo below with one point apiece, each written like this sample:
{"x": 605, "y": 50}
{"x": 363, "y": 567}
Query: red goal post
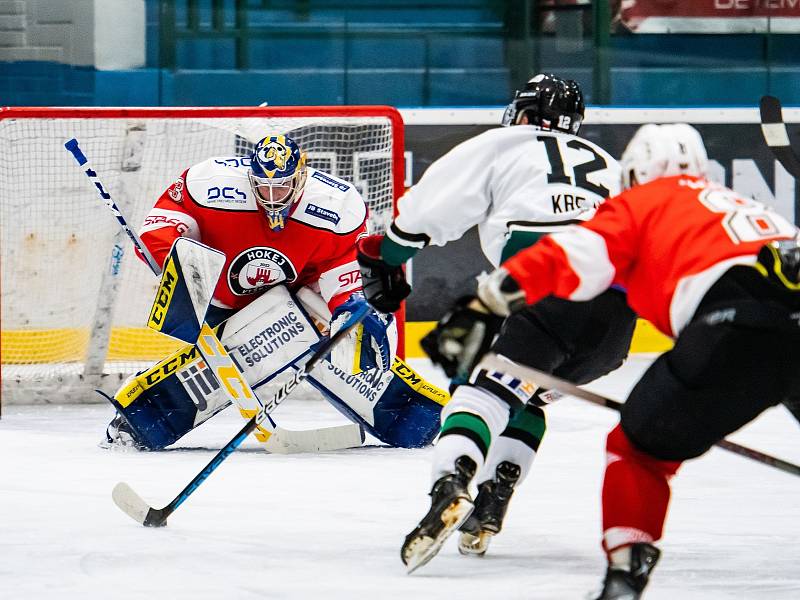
{"x": 74, "y": 298}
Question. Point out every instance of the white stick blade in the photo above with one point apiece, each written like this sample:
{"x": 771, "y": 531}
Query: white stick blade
{"x": 130, "y": 502}
{"x": 328, "y": 439}
{"x": 775, "y": 134}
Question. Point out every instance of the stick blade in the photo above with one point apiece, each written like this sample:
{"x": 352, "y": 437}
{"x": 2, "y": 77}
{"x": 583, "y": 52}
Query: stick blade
{"x": 328, "y": 439}
{"x": 137, "y": 509}
{"x": 773, "y": 127}
{"x": 776, "y": 135}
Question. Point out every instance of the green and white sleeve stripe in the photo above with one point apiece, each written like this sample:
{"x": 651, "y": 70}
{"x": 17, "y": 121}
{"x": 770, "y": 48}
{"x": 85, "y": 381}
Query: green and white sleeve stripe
{"x": 398, "y": 246}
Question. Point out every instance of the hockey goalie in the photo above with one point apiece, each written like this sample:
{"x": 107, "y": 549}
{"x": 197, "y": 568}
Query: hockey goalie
{"x": 290, "y": 277}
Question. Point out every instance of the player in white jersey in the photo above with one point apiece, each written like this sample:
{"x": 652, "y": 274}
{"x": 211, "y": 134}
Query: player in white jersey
{"x": 515, "y": 183}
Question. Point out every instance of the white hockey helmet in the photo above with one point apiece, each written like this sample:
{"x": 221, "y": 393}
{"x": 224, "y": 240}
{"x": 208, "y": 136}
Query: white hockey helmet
{"x": 663, "y": 151}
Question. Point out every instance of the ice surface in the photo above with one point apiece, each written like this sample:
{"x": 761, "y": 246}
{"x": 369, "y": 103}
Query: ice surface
{"x": 330, "y": 526}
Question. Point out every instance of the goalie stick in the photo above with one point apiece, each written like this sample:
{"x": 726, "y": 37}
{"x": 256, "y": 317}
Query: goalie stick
{"x": 72, "y": 146}
{"x": 777, "y": 137}
{"x": 546, "y": 380}
{"x": 132, "y": 504}
{"x": 282, "y": 441}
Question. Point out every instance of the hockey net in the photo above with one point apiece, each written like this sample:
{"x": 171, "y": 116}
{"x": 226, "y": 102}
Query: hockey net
{"x": 74, "y": 297}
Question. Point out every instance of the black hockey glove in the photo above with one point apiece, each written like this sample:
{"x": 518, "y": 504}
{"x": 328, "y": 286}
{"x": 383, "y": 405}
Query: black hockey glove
{"x": 462, "y": 337}
{"x": 385, "y": 285}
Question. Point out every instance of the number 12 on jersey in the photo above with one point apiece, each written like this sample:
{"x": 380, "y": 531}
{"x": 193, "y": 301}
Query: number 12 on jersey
{"x": 581, "y": 170}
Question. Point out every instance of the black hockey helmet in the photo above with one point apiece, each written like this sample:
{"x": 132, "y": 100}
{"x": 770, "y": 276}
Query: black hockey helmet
{"x": 549, "y": 102}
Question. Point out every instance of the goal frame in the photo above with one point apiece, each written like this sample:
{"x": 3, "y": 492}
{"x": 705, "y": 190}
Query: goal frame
{"x": 233, "y": 112}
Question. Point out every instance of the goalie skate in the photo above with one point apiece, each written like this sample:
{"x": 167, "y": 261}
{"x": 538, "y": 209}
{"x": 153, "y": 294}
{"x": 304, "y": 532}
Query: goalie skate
{"x": 450, "y": 506}
{"x": 119, "y": 436}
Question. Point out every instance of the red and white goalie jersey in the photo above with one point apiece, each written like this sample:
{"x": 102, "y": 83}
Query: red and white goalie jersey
{"x": 666, "y": 242}
{"x": 213, "y": 202}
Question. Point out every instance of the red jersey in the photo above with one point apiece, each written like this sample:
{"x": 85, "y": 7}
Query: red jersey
{"x": 212, "y": 202}
{"x": 666, "y": 242}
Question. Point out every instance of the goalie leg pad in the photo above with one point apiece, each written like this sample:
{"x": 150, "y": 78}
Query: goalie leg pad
{"x": 180, "y": 392}
{"x": 163, "y": 403}
{"x": 405, "y": 417}
{"x": 398, "y": 407}
{"x": 145, "y": 424}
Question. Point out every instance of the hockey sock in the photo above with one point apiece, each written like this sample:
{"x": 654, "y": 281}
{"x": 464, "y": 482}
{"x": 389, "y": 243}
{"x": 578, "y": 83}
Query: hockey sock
{"x": 470, "y": 421}
{"x": 635, "y": 493}
{"x": 517, "y": 444}
{"x": 463, "y": 434}
{"x": 470, "y": 426}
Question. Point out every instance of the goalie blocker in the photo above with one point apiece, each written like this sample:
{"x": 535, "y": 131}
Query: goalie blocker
{"x": 275, "y": 333}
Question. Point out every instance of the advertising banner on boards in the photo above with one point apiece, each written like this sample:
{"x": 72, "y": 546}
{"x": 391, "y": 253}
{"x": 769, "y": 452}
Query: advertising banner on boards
{"x": 719, "y": 16}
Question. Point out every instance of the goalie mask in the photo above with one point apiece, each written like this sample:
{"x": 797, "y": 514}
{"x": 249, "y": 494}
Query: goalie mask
{"x": 663, "y": 151}
{"x": 549, "y": 102}
{"x": 277, "y": 176}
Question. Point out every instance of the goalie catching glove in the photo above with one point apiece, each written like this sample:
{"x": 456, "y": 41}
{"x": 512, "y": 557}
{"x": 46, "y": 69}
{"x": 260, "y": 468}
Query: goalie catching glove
{"x": 462, "y": 337}
{"x": 369, "y": 345}
{"x": 384, "y": 285}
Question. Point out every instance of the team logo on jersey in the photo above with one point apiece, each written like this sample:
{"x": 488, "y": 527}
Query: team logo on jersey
{"x": 258, "y": 268}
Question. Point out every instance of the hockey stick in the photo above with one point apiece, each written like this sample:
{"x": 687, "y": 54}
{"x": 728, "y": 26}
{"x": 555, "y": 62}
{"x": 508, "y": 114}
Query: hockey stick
{"x": 325, "y": 439}
{"x": 329, "y": 438}
{"x": 777, "y": 137}
{"x": 132, "y": 504}
{"x": 545, "y": 380}
{"x": 72, "y": 146}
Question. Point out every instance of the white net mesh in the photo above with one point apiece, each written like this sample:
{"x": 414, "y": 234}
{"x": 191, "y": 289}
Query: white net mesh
{"x": 58, "y": 238}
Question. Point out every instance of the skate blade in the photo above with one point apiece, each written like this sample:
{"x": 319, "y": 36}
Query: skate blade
{"x": 474, "y": 545}
{"x": 420, "y": 551}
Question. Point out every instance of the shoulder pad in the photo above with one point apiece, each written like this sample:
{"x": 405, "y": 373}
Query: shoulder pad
{"x": 330, "y": 203}
{"x": 221, "y": 183}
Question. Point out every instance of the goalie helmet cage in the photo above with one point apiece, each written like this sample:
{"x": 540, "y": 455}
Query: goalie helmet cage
{"x": 74, "y": 297}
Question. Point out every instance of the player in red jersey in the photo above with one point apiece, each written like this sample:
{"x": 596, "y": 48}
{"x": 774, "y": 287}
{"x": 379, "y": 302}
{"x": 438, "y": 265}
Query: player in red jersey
{"x": 276, "y": 220}
{"x": 717, "y": 272}
{"x": 279, "y": 223}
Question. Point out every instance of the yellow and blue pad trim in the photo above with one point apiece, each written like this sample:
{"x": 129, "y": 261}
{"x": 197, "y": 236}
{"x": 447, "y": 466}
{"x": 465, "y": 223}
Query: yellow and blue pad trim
{"x": 187, "y": 285}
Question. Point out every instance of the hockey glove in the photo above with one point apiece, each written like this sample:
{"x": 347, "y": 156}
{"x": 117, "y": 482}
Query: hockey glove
{"x": 384, "y": 285}
{"x": 500, "y": 293}
{"x": 462, "y": 337}
{"x": 779, "y": 262}
{"x": 368, "y": 346}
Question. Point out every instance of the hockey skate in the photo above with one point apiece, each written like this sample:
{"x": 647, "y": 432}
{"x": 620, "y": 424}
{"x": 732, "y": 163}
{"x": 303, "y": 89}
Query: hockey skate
{"x": 450, "y": 505}
{"x": 491, "y": 505}
{"x": 621, "y": 584}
